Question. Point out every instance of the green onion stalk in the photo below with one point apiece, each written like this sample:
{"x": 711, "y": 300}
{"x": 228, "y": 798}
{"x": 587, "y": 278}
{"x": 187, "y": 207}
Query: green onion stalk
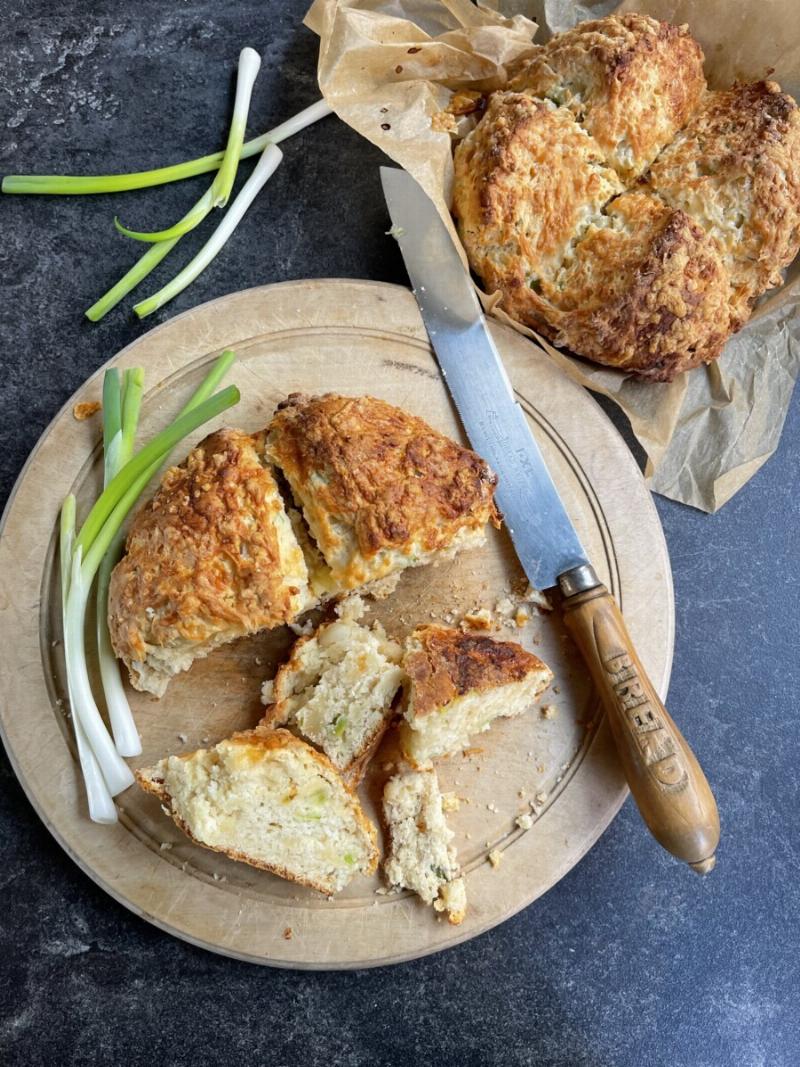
{"x": 101, "y": 806}
{"x": 121, "y": 406}
{"x": 95, "y": 540}
{"x": 263, "y": 170}
{"x": 220, "y": 190}
{"x": 74, "y": 185}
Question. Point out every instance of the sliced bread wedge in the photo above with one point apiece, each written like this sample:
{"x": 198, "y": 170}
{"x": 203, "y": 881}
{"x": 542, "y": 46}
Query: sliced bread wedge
{"x": 337, "y": 690}
{"x": 420, "y": 856}
{"x": 272, "y": 801}
{"x": 458, "y": 684}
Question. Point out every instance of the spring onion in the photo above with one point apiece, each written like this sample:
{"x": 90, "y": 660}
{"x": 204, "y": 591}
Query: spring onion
{"x": 73, "y": 185}
{"x": 120, "y": 418}
{"x": 264, "y": 169}
{"x": 95, "y": 539}
{"x": 101, "y": 806}
{"x": 219, "y": 192}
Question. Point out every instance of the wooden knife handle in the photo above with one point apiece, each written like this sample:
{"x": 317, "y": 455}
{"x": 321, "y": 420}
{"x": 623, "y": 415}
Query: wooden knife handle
{"x": 667, "y": 782}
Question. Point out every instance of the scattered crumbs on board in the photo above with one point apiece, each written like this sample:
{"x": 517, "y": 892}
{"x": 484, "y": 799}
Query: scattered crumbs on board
{"x": 85, "y": 409}
{"x": 495, "y": 858}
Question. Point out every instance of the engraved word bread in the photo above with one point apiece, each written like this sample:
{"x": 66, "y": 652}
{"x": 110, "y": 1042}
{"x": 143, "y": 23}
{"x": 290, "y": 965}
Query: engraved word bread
{"x": 621, "y": 209}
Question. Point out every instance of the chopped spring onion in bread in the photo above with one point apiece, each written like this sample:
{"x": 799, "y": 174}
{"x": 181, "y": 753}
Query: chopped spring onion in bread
{"x": 78, "y": 185}
{"x": 220, "y": 190}
{"x": 264, "y": 169}
{"x": 90, "y": 547}
{"x": 272, "y": 801}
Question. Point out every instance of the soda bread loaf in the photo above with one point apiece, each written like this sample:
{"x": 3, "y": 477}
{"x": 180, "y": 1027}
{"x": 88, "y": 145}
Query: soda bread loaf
{"x": 735, "y": 169}
{"x": 216, "y": 555}
{"x": 420, "y": 855}
{"x": 458, "y": 684}
{"x": 210, "y": 558}
{"x": 622, "y": 210}
{"x": 337, "y": 690}
{"x": 379, "y": 488}
{"x": 272, "y": 801}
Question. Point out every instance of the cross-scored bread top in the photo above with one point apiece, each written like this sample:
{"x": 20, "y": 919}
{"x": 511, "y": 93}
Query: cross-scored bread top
{"x": 646, "y": 270}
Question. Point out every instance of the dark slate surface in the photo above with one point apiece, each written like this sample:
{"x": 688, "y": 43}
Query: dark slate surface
{"x": 631, "y": 960}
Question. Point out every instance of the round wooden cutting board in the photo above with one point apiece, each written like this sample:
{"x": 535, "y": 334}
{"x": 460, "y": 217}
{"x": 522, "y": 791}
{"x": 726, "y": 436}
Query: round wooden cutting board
{"x": 349, "y": 337}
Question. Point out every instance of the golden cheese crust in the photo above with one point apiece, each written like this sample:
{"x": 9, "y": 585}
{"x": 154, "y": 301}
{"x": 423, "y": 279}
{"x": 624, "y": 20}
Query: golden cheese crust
{"x": 257, "y": 745}
{"x": 736, "y": 170}
{"x": 646, "y": 270}
{"x": 444, "y": 663}
{"x": 630, "y": 80}
{"x": 617, "y": 277}
{"x": 211, "y": 557}
{"x": 646, "y": 291}
{"x": 379, "y": 488}
{"x": 528, "y": 181}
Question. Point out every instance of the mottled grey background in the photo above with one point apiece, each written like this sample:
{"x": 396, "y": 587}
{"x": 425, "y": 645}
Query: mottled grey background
{"x": 630, "y": 961}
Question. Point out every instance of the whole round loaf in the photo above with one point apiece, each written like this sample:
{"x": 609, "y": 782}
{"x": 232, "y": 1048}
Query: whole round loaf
{"x": 619, "y": 208}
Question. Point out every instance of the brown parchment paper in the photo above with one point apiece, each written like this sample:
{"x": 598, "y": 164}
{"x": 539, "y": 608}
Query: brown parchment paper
{"x": 390, "y": 67}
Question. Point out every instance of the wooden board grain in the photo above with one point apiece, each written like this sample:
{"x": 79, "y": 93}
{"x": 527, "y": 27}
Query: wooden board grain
{"x": 351, "y": 337}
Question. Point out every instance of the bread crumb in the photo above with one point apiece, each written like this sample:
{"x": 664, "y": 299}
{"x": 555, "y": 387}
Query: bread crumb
{"x": 305, "y": 630}
{"x": 182, "y": 738}
{"x": 521, "y": 617}
{"x": 472, "y": 752}
{"x": 287, "y": 934}
{"x": 505, "y": 607}
{"x": 540, "y": 798}
{"x": 268, "y": 692}
{"x": 549, "y": 711}
{"x": 491, "y": 807}
{"x": 464, "y": 102}
{"x": 165, "y": 845}
{"x": 537, "y": 597}
{"x": 478, "y": 620}
{"x": 388, "y": 767}
{"x": 450, "y": 802}
{"x": 83, "y": 411}
{"x": 495, "y": 858}
{"x": 524, "y": 822}
{"x": 352, "y": 608}
{"x": 522, "y": 793}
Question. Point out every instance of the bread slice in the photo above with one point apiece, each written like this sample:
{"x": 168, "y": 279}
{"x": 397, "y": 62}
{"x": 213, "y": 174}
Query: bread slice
{"x": 380, "y": 489}
{"x": 271, "y": 801}
{"x": 420, "y": 856}
{"x": 210, "y": 558}
{"x": 458, "y": 684}
{"x": 336, "y": 690}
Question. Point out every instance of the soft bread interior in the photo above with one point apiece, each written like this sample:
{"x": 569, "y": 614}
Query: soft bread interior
{"x": 271, "y": 802}
{"x": 448, "y": 729}
{"x": 420, "y": 856}
{"x": 337, "y": 689}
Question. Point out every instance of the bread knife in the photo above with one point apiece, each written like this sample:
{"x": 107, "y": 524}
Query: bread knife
{"x": 667, "y": 782}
